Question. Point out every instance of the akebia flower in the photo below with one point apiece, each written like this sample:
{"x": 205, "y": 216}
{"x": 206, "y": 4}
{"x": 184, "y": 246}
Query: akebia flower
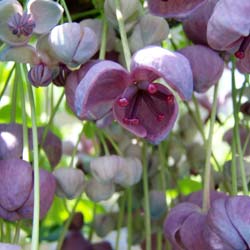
{"x": 16, "y": 25}
{"x": 228, "y": 29}
{"x": 207, "y": 66}
{"x": 138, "y": 101}
{"x": 173, "y": 8}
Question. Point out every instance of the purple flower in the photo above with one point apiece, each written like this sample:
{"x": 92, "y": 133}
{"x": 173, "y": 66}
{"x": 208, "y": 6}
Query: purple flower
{"x": 207, "y": 66}
{"x": 173, "y": 8}
{"x": 139, "y": 103}
{"x": 228, "y": 29}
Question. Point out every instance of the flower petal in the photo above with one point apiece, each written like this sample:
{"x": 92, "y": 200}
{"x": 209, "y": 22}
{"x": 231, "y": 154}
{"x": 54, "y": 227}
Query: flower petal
{"x": 228, "y": 24}
{"x": 6, "y": 246}
{"x": 207, "y": 66}
{"x": 173, "y": 8}
{"x": 243, "y": 65}
{"x": 16, "y": 183}
{"x": 99, "y": 88}
{"x": 23, "y": 54}
{"x": 46, "y": 14}
{"x": 149, "y": 127}
{"x": 155, "y": 62}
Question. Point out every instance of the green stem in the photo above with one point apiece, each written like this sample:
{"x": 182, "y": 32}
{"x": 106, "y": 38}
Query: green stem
{"x": 66, "y": 225}
{"x": 36, "y": 213}
{"x": 66, "y": 11}
{"x": 111, "y": 140}
{"x": 146, "y": 198}
{"x": 234, "y": 170}
{"x": 129, "y": 218}
{"x": 17, "y": 232}
{"x": 103, "y": 142}
{"x": 7, "y": 82}
{"x": 124, "y": 39}
{"x": 102, "y": 52}
{"x": 159, "y": 240}
{"x": 26, "y": 156}
{"x": 84, "y": 14}
{"x": 14, "y": 99}
{"x": 207, "y": 171}
{"x": 236, "y": 130}
{"x": 119, "y": 223}
{"x": 91, "y": 231}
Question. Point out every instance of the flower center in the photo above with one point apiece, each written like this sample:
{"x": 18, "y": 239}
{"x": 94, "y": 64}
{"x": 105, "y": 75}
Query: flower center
{"x": 21, "y": 24}
{"x": 241, "y": 51}
{"x": 142, "y": 92}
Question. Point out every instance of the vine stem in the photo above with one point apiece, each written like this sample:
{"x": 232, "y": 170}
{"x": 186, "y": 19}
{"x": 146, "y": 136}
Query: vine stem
{"x": 7, "y": 82}
{"x": 124, "y": 39}
{"x": 207, "y": 171}
{"x": 236, "y": 130}
{"x": 104, "y": 37}
{"x": 146, "y": 198}
{"x": 36, "y": 210}
{"x": 66, "y": 11}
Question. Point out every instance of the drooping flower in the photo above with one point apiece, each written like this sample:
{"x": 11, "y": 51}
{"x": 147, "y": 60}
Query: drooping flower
{"x": 138, "y": 102}
{"x": 228, "y": 29}
{"x": 16, "y": 25}
{"x": 173, "y": 8}
{"x": 207, "y": 66}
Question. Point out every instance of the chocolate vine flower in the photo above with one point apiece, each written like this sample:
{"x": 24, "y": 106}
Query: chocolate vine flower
{"x": 16, "y": 25}
{"x": 173, "y": 8}
{"x": 138, "y": 101}
{"x": 227, "y": 225}
{"x": 228, "y": 29}
{"x": 207, "y": 66}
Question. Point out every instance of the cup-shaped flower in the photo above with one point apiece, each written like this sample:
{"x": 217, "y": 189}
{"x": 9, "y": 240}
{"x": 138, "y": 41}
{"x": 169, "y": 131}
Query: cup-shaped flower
{"x": 16, "y": 191}
{"x": 77, "y": 222}
{"x": 137, "y": 101}
{"x": 177, "y": 227}
{"x": 207, "y": 66}
{"x": 228, "y": 27}
{"x": 157, "y": 202}
{"x": 16, "y": 25}
{"x": 173, "y": 8}
{"x": 195, "y": 26}
{"x": 72, "y": 44}
{"x": 227, "y": 225}
{"x": 150, "y": 30}
{"x": 130, "y": 10}
{"x": 98, "y": 191}
{"x": 69, "y": 182}
{"x": 104, "y": 224}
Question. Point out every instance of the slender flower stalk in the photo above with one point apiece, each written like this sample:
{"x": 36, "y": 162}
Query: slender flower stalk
{"x": 207, "y": 172}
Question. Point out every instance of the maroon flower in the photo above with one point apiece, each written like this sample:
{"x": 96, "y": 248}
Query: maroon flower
{"x": 137, "y": 101}
{"x": 173, "y": 8}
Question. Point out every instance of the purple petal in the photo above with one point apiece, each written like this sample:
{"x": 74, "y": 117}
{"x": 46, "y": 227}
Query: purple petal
{"x": 9, "y": 215}
{"x": 237, "y": 210}
{"x": 149, "y": 127}
{"x": 220, "y": 223}
{"x": 228, "y": 24}
{"x": 47, "y": 191}
{"x": 7, "y": 246}
{"x": 104, "y": 245}
{"x": 173, "y": 8}
{"x": 195, "y": 26}
{"x": 99, "y": 88}
{"x": 193, "y": 239}
{"x": 46, "y": 14}
{"x": 243, "y": 65}
{"x": 155, "y": 62}
{"x": 11, "y": 141}
{"x": 207, "y": 66}
{"x": 175, "y": 220}
{"x": 16, "y": 183}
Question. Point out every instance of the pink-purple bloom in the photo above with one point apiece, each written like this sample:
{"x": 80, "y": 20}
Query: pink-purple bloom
{"x": 136, "y": 99}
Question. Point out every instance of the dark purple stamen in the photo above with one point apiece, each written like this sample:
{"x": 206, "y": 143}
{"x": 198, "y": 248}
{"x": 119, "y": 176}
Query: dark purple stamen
{"x": 241, "y": 51}
{"x": 21, "y": 24}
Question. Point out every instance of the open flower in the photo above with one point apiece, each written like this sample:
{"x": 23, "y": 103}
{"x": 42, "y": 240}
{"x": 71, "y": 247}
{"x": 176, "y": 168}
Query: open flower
{"x": 16, "y": 25}
{"x": 143, "y": 106}
{"x": 228, "y": 30}
{"x": 173, "y": 8}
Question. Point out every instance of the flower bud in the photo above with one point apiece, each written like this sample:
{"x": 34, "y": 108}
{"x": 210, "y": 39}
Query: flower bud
{"x": 69, "y": 182}
{"x": 157, "y": 202}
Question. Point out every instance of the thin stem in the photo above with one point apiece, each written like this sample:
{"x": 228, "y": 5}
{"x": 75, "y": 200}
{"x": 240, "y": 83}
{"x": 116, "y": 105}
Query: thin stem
{"x": 124, "y": 39}
{"x": 119, "y": 223}
{"x": 104, "y": 37}
{"x": 66, "y": 225}
{"x": 66, "y": 11}
{"x": 234, "y": 170}
{"x": 7, "y": 82}
{"x": 17, "y": 232}
{"x": 129, "y": 218}
{"x": 114, "y": 145}
{"x": 146, "y": 198}
{"x": 14, "y": 100}
{"x": 103, "y": 142}
{"x": 84, "y": 14}
{"x": 236, "y": 130}
{"x": 91, "y": 231}
{"x": 35, "y": 228}
{"x": 207, "y": 171}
